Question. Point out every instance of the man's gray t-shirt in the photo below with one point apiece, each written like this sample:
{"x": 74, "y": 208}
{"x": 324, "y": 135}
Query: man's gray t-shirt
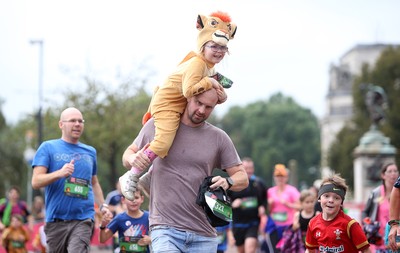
{"x": 175, "y": 179}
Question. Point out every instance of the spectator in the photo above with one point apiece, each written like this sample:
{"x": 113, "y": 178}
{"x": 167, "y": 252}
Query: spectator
{"x": 394, "y": 217}
{"x": 38, "y": 209}
{"x": 132, "y": 226}
{"x": 13, "y": 205}
{"x": 333, "y": 230}
{"x": 283, "y": 202}
{"x": 67, "y": 169}
{"x": 177, "y": 223}
{"x": 15, "y": 237}
{"x": 376, "y": 211}
{"x": 248, "y": 206}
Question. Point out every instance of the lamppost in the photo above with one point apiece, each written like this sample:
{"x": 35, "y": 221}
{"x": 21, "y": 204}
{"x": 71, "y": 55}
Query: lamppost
{"x": 39, "y": 116}
{"x": 29, "y": 154}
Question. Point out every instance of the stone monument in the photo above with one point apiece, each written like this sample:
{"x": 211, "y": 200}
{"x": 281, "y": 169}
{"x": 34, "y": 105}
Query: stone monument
{"x": 374, "y": 149}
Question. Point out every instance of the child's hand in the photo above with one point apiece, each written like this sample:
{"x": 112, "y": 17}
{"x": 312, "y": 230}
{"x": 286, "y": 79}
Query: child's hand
{"x": 105, "y": 220}
{"x": 236, "y": 203}
{"x": 215, "y": 83}
{"x": 146, "y": 240}
{"x": 222, "y": 97}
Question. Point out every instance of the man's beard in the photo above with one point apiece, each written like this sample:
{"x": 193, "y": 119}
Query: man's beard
{"x": 195, "y": 119}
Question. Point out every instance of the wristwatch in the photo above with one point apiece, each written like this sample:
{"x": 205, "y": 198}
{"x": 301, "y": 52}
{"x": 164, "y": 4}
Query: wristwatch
{"x": 229, "y": 181}
{"x": 102, "y": 227}
{"x": 393, "y": 222}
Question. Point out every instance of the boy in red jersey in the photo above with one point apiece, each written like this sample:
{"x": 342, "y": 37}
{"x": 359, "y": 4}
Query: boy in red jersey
{"x": 333, "y": 230}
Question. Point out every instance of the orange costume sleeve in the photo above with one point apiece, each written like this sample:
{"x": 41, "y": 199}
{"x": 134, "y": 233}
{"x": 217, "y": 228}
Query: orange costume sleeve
{"x": 169, "y": 101}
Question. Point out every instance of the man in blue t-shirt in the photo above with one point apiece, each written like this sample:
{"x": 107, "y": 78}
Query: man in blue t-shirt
{"x": 67, "y": 169}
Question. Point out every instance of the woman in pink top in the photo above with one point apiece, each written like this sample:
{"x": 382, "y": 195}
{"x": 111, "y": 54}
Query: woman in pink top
{"x": 377, "y": 207}
{"x": 283, "y": 201}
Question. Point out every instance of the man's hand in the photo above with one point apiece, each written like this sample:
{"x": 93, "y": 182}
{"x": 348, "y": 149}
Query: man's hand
{"x": 394, "y": 231}
{"x": 219, "y": 181}
{"x": 139, "y": 159}
{"x": 67, "y": 169}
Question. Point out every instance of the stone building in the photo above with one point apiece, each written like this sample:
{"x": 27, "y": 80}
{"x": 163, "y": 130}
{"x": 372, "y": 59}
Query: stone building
{"x": 339, "y": 100}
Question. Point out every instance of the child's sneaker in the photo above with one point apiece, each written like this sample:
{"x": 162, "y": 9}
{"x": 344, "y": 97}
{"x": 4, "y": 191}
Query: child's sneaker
{"x": 144, "y": 183}
{"x": 128, "y": 183}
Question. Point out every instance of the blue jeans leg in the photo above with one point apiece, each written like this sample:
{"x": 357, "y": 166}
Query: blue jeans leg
{"x": 167, "y": 239}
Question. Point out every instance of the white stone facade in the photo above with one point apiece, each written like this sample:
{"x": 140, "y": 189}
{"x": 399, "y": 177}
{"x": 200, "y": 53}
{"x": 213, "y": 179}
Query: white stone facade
{"x": 339, "y": 100}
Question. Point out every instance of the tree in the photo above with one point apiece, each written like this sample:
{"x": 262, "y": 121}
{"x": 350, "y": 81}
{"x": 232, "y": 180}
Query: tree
{"x": 275, "y": 131}
{"x": 386, "y": 74}
{"x": 12, "y": 165}
{"x": 2, "y": 119}
{"x": 112, "y": 121}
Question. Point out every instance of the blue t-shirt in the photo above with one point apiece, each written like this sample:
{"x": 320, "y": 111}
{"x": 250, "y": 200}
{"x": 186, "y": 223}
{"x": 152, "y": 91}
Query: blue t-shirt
{"x": 68, "y": 198}
{"x": 130, "y": 230}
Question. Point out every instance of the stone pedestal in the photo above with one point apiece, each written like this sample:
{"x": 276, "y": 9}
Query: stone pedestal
{"x": 374, "y": 150}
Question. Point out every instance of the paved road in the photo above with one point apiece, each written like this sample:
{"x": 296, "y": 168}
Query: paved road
{"x": 98, "y": 250}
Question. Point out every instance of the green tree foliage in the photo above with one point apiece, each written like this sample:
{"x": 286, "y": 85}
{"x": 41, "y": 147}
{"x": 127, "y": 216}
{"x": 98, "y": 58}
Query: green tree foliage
{"x": 13, "y": 167}
{"x": 113, "y": 118}
{"x": 2, "y": 119}
{"x": 275, "y": 131}
{"x": 12, "y": 164}
{"x": 112, "y": 121}
{"x": 386, "y": 74}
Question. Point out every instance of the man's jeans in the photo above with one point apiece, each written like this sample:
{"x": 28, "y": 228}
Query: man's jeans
{"x": 168, "y": 239}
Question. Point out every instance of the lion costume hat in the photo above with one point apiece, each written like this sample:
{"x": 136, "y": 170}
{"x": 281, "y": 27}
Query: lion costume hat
{"x": 217, "y": 27}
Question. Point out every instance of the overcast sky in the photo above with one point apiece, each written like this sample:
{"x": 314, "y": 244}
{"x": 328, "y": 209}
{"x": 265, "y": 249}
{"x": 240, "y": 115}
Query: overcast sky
{"x": 283, "y": 45}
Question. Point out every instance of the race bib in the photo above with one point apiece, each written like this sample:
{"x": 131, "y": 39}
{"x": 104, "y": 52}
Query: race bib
{"x": 76, "y": 187}
{"x": 130, "y": 244}
{"x": 250, "y": 202}
{"x": 218, "y": 207}
{"x": 279, "y": 216}
{"x": 17, "y": 244}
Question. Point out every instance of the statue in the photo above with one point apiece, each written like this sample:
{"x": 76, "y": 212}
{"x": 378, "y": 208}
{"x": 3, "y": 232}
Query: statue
{"x": 375, "y": 100}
